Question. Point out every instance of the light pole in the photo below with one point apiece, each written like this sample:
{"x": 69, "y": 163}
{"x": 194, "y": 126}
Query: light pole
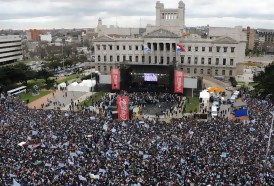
{"x": 269, "y": 137}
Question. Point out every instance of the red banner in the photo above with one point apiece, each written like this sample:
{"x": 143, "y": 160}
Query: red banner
{"x": 123, "y": 108}
{"x": 178, "y": 81}
{"x": 115, "y": 79}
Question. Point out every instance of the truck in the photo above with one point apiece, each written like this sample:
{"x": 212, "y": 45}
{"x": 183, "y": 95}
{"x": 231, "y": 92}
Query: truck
{"x": 214, "y": 111}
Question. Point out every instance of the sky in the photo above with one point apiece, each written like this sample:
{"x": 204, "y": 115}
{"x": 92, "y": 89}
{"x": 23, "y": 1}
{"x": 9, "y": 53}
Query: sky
{"x": 48, "y": 14}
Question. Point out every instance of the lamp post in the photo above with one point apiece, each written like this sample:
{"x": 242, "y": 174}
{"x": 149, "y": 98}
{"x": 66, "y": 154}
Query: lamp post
{"x": 269, "y": 137}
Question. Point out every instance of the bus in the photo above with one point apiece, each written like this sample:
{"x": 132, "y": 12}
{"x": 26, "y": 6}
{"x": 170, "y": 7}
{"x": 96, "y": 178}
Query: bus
{"x": 16, "y": 91}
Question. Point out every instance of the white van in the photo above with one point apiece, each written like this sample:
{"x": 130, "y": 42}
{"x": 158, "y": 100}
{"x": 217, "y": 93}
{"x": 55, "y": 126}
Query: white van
{"x": 232, "y": 99}
{"x": 215, "y": 103}
{"x": 214, "y": 111}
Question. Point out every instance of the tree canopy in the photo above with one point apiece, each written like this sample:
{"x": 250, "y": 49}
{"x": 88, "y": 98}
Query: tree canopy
{"x": 266, "y": 80}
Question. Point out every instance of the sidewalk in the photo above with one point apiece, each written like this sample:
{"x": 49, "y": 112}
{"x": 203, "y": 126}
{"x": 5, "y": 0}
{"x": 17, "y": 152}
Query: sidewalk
{"x": 37, "y": 103}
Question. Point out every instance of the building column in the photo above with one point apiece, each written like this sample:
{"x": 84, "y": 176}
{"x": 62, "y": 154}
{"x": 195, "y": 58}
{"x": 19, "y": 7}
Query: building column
{"x": 152, "y": 53}
{"x": 165, "y": 53}
{"x": 170, "y": 53}
{"x": 146, "y": 55}
{"x": 158, "y": 53}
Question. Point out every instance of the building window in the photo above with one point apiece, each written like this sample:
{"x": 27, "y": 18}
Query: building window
{"x": 195, "y": 71}
{"x": 203, "y": 49}
{"x": 124, "y": 47}
{"x": 188, "y": 70}
{"x": 105, "y": 68}
{"x": 99, "y": 68}
{"x": 210, "y": 49}
{"x": 195, "y": 60}
{"x": 129, "y": 47}
{"x": 196, "y": 49}
{"x": 136, "y": 47}
{"x": 208, "y": 71}
{"x": 189, "y": 49}
{"x": 98, "y": 47}
{"x": 231, "y": 62}
{"x": 189, "y": 60}
{"x": 202, "y": 60}
{"x": 110, "y": 58}
{"x": 117, "y": 47}
{"x": 167, "y": 60}
{"x": 224, "y": 61}
{"x": 149, "y": 59}
{"x": 202, "y": 71}
{"x": 209, "y": 61}
{"x": 225, "y": 49}
{"x": 124, "y": 58}
{"x": 110, "y": 67}
{"x": 216, "y": 72}
{"x": 155, "y": 60}
{"x": 110, "y": 47}
{"x": 118, "y": 58}
{"x": 104, "y": 47}
{"x": 232, "y": 49}
{"x": 99, "y": 58}
{"x": 136, "y": 58}
{"x": 143, "y": 58}
{"x": 162, "y": 60}
{"x": 223, "y": 72}
{"x": 130, "y": 58}
{"x": 230, "y": 72}
{"x": 182, "y": 59}
{"x": 217, "y": 61}
{"x": 218, "y": 49}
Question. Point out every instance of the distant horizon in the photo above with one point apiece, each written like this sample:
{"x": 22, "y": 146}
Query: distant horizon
{"x": 68, "y": 14}
{"x": 126, "y": 27}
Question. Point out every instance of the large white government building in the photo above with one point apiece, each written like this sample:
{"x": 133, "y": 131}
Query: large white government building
{"x": 10, "y": 49}
{"x": 214, "y": 53}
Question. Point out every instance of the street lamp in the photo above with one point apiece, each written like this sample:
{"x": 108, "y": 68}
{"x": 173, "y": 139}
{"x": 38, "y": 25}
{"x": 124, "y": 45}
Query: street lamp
{"x": 269, "y": 137}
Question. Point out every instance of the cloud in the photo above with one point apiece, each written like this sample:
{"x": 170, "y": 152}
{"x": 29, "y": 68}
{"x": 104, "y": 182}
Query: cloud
{"x": 26, "y": 14}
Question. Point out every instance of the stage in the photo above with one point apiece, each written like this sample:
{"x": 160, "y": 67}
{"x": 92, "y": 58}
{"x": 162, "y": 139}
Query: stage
{"x": 147, "y": 78}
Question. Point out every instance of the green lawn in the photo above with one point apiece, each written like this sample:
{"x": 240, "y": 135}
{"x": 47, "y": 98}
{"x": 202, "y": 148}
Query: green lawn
{"x": 241, "y": 83}
{"x": 96, "y": 97}
{"x": 192, "y": 105}
{"x": 38, "y": 82}
{"x": 31, "y": 98}
{"x": 253, "y": 84}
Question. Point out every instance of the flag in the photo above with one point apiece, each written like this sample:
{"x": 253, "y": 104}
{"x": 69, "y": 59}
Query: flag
{"x": 15, "y": 183}
{"x": 241, "y": 112}
{"x": 180, "y": 49}
{"x": 146, "y": 49}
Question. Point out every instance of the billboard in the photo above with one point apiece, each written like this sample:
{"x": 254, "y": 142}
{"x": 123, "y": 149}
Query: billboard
{"x": 115, "y": 79}
{"x": 178, "y": 81}
{"x": 123, "y": 108}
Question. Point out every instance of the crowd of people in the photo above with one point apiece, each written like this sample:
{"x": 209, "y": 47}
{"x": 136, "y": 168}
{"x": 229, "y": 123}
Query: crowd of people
{"x": 49, "y": 147}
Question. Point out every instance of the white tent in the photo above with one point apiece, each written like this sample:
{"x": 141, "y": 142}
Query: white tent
{"x": 62, "y": 85}
{"x": 84, "y": 86}
{"x": 204, "y": 95}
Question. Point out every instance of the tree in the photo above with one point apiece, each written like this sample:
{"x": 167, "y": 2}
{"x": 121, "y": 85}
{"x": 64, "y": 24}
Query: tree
{"x": 44, "y": 74}
{"x": 265, "y": 80}
{"x": 49, "y": 83}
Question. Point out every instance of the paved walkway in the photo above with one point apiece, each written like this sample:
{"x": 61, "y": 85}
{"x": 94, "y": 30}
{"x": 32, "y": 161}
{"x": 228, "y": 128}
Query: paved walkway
{"x": 37, "y": 103}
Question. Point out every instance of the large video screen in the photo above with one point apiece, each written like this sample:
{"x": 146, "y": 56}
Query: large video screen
{"x": 150, "y": 77}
